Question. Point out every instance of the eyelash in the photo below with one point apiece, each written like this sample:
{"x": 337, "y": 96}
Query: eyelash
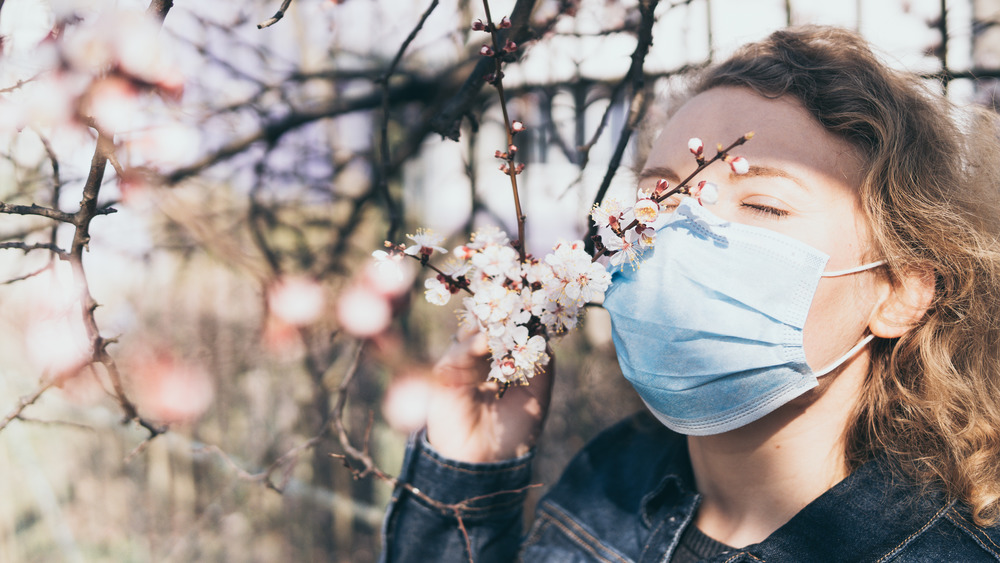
{"x": 763, "y": 210}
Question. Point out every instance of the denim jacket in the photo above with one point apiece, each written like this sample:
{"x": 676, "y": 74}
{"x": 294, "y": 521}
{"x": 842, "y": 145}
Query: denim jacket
{"x": 629, "y": 495}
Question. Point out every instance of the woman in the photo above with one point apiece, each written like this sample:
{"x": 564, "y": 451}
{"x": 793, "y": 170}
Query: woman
{"x": 824, "y": 375}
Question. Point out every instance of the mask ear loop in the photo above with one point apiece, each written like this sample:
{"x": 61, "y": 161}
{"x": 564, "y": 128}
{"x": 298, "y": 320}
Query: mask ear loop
{"x": 850, "y": 354}
{"x": 864, "y": 341}
{"x": 854, "y": 270}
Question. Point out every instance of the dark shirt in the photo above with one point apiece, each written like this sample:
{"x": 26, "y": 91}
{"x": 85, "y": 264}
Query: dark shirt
{"x": 629, "y": 495}
{"x": 695, "y": 546}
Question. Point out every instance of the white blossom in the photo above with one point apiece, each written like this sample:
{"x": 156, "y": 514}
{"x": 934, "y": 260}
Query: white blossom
{"x": 487, "y": 236}
{"x": 437, "y": 292}
{"x": 646, "y": 210}
{"x": 425, "y": 242}
{"x": 497, "y": 260}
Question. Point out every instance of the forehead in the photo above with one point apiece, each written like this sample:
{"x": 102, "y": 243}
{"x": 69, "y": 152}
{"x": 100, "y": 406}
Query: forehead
{"x": 786, "y": 135}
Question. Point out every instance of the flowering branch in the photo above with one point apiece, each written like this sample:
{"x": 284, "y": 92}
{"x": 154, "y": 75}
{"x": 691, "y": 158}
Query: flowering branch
{"x": 500, "y": 54}
{"x": 627, "y": 243}
{"x": 448, "y": 121}
{"x": 637, "y": 106}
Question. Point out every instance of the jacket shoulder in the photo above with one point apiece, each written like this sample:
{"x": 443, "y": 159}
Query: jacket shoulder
{"x": 954, "y": 538}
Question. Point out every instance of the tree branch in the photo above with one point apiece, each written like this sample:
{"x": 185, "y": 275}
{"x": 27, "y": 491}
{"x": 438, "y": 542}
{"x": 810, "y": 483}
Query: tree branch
{"x": 62, "y": 254}
{"x": 35, "y": 209}
{"x": 277, "y": 15}
{"x": 447, "y": 123}
{"x": 159, "y": 8}
{"x": 637, "y": 105}
{"x": 392, "y": 208}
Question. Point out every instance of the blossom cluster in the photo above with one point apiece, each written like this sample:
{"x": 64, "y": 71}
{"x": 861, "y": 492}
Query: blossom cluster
{"x": 517, "y": 304}
{"x": 625, "y": 232}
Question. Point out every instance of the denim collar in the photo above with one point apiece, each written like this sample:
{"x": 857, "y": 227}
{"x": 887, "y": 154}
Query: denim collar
{"x": 868, "y": 516}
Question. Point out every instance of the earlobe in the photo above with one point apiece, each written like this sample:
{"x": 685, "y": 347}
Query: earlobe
{"x": 903, "y": 303}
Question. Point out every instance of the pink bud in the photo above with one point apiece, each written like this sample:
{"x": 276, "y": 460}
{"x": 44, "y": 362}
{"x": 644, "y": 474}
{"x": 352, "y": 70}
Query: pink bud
{"x": 478, "y": 25}
{"x": 499, "y": 154}
{"x": 486, "y": 51}
{"x": 661, "y": 186}
{"x": 739, "y": 165}
{"x": 517, "y": 127}
{"x": 504, "y": 168}
{"x": 504, "y": 23}
{"x": 696, "y": 147}
{"x": 509, "y": 46}
{"x": 512, "y": 149}
{"x": 519, "y": 168}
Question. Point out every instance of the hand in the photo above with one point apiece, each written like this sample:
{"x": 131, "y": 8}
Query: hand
{"x": 467, "y": 422}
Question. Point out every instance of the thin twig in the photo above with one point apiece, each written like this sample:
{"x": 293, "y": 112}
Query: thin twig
{"x": 382, "y": 182}
{"x": 26, "y": 402}
{"x": 277, "y": 15}
{"x": 19, "y": 82}
{"x": 28, "y": 275}
{"x": 511, "y": 169}
{"x": 26, "y": 248}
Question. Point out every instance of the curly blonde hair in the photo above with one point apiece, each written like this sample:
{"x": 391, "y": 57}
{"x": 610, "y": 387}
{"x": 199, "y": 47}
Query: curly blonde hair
{"x": 930, "y": 193}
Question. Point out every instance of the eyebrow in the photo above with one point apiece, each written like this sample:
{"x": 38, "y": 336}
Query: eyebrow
{"x": 658, "y": 172}
{"x": 756, "y": 171}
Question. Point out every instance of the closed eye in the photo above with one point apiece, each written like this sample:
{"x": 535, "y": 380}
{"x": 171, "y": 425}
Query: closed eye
{"x": 764, "y": 210}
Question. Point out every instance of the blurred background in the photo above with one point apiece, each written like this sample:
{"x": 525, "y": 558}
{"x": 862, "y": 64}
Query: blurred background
{"x": 171, "y": 373}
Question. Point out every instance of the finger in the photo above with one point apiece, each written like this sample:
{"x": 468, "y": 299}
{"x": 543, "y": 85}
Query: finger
{"x": 465, "y": 363}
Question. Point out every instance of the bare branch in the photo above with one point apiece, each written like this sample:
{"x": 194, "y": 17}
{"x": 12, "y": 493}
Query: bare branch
{"x": 35, "y": 209}
{"x": 26, "y": 248}
{"x": 26, "y": 402}
{"x": 19, "y": 82}
{"x": 392, "y": 209}
{"x": 277, "y": 15}
{"x": 159, "y": 8}
{"x": 28, "y": 275}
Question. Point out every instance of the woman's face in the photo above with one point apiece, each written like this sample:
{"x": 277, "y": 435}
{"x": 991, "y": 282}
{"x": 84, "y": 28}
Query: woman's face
{"x": 803, "y": 182}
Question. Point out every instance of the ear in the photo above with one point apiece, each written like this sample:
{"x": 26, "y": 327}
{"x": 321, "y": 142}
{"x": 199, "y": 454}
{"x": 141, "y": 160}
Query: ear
{"x": 902, "y": 303}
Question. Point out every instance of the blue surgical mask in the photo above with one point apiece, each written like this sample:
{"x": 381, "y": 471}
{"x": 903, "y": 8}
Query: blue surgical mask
{"x": 708, "y": 328}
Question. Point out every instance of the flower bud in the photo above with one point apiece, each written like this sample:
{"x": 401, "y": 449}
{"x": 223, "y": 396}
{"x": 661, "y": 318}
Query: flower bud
{"x": 739, "y": 165}
{"x": 504, "y": 23}
{"x": 661, "y": 187}
{"x": 478, "y": 25}
{"x": 499, "y": 154}
{"x": 509, "y": 46}
{"x": 512, "y": 149}
{"x": 486, "y": 51}
{"x": 517, "y": 127}
{"x": 696, "y": 147}
{"x": 519, "y": 168}
{"x": 709, "y": 193}
{"x": 504, "y": 168}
